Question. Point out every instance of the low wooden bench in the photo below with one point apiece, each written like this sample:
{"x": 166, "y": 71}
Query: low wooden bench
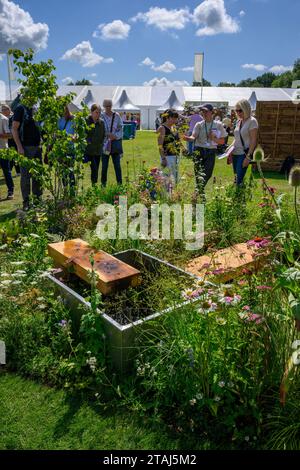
{"x": 112, "y": 273}
{"x": 228, "y": 263}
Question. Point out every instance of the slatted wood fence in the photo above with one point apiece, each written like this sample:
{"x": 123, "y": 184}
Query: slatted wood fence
{"x": 279, "y": 131}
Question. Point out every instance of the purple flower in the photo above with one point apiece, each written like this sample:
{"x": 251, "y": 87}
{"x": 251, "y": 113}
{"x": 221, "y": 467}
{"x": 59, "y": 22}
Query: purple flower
{"x": 63, "y": 323}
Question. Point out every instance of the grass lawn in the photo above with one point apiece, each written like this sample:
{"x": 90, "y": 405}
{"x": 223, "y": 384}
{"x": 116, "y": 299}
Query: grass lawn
{"x": 35, "y": 417}
{"x": 141, "y": 152}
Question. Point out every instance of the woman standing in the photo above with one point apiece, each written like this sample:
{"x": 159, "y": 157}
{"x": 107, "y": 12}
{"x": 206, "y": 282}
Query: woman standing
{"x": 169, "y": 143}
{"x": 245, "y": 140}
{"x": 95, "y": 139}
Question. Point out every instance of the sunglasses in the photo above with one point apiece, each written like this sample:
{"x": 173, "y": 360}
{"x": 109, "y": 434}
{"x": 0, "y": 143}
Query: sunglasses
{"x": 238, "y": 110}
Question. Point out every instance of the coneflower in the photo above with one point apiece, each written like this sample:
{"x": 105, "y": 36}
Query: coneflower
{"x": 294, "y": 181}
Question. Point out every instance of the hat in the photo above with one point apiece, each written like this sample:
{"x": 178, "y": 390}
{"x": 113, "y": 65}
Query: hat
{"x": 207, "y": 107}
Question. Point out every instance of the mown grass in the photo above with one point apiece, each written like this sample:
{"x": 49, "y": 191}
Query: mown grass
{"x": 139, "y": 153}
{"x": 37, "y": 417}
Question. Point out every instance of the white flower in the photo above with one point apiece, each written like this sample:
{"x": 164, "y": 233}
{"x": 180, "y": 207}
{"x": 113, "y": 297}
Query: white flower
{"x": 221, "y": 383}
{"x": 217, "y": 398}
{"x": 247, "y": 438}
{"x": 20, "y": 272}
{"x": 16, "y": 283}
{"x": 193, "y": 401}
{"x": 296, "y": 358}
{"x": 5, "y": 275}
{"x": 40, "y": 299}
{"x": 34, "y": 235}
{"x": 199, "y": 396}
{"x": 296, "y": 344}
{"x": 6, "y": 282}
{"x": 17, "y": 263}
{"x": 3, "y": 247}
{"x": 42, "y": 306}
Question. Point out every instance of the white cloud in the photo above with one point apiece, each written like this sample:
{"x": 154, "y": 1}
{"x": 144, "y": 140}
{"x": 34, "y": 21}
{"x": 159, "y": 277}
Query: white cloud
{"x": 92, "y": 75}
{"x": 84, "y": 54}
{"x": 164, "y": 19}
{"x": 257, "y": 67}
{"x": 67, "y": 80}
{"x": 242, "y": 13}
{"x": 214, "y": 18}
{"x": 166, "y": 67}
{"x": 165, "y": 82}
{"x": 187, "y": 69}
{"x": 115, "y": 30}
{"x": 18, "y": 30}
{"x": 147, "y": 61}
{"x": 280, "y": 68}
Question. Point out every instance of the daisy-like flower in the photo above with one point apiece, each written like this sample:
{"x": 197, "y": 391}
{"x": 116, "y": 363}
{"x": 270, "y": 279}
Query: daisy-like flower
{"x": 221, "y": 383}
{"x": 217, "y": 398}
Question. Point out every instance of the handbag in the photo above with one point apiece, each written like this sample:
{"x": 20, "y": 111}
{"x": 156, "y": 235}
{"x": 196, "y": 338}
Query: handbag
{"x": 113, "y": 147}
{"x": 116, "y": 147}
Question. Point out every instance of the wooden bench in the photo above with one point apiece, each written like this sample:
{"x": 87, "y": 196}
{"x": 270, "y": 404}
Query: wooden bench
{"x": 228, "y": 263}
{"x": 112, "y": 273}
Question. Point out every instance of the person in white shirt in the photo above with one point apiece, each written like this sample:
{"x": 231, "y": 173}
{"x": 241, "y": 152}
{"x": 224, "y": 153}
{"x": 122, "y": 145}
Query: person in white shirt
{"x": 245, "y": 140}
{"x": 207, "y": 135}
{"x": 5, "y": 134}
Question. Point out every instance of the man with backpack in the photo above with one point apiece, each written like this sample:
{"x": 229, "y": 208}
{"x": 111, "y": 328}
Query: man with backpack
{"x": 4, "y": 164}
{"x": 27, "y": 136}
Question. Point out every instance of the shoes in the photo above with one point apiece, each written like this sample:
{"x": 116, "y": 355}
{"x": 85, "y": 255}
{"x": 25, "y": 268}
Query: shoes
{"x": 10, "y": 196}
{"x": 25, "y": 206}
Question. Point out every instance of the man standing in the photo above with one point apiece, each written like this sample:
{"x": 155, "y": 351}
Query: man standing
{"x": 207, "y": 135}
{"x": 5, "y": 164}
{"x": 113, "y": 142}
{"x": 27, "y": 136}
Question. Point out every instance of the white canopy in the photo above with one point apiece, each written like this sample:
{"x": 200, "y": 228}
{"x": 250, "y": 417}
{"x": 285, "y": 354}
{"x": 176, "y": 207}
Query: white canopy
{"x": 150, "y": 100}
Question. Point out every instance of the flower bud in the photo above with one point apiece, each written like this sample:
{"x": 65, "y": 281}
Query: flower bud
{"x": 294, "y": 177}
{"x": 259, "y": 154}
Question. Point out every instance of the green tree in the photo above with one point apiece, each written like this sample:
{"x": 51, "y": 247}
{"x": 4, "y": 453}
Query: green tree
{"x": 283, "y": 80}
{"x": 205, "y": 83}
{"x": 266, "y": 79}
{"x": 226, "y": 84}
{"x": 83, "y": 81}
{"x": 39, "y": 87}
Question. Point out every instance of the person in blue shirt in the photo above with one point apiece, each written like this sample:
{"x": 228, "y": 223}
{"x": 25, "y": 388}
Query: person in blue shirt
{"x": 66, "y": 123}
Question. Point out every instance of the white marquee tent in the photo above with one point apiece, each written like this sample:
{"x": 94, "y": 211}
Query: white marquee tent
{"x": 150, "y": 101}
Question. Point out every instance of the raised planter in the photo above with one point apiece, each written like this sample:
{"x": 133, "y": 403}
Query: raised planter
{"x": 120, "y": 338}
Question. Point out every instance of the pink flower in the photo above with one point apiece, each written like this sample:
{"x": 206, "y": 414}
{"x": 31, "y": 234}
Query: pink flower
{"x": 258, "y": 242}
{"x": 246, "y": 307}
{"x": 263, "y": 287}
{"x": 218, "y": 271}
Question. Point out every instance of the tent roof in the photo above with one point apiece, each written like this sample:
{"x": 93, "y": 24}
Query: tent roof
{"x": 122, "y": 102}
{"x": 158, "y": 97}
{"x": 172, "y": 102}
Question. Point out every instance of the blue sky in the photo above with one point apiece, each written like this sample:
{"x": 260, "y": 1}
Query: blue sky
{"x": 107, "y": 41}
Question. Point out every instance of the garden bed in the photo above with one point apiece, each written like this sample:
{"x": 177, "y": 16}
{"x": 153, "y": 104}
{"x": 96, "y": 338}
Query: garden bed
{"x": 126, "y": 313}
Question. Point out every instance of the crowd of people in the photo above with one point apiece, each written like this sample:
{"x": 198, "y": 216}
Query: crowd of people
{"x": 205, "y": 133}
{"x": 20, "y": 129}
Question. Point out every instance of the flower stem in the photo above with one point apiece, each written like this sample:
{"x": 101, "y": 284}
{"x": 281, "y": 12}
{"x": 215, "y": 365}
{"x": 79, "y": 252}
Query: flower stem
{"x": 295, "y": 204}
{"x": 265, "y": 184}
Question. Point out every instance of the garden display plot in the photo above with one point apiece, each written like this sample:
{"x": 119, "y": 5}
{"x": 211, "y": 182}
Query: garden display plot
{"x": 112, "y": 273}
{"x": 228, "y": 263}
{"x": 125, "y": 315}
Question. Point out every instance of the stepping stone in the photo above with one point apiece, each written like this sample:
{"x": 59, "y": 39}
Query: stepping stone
{"x": 112, "y": 273}
{"x": 228, "y": 263}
